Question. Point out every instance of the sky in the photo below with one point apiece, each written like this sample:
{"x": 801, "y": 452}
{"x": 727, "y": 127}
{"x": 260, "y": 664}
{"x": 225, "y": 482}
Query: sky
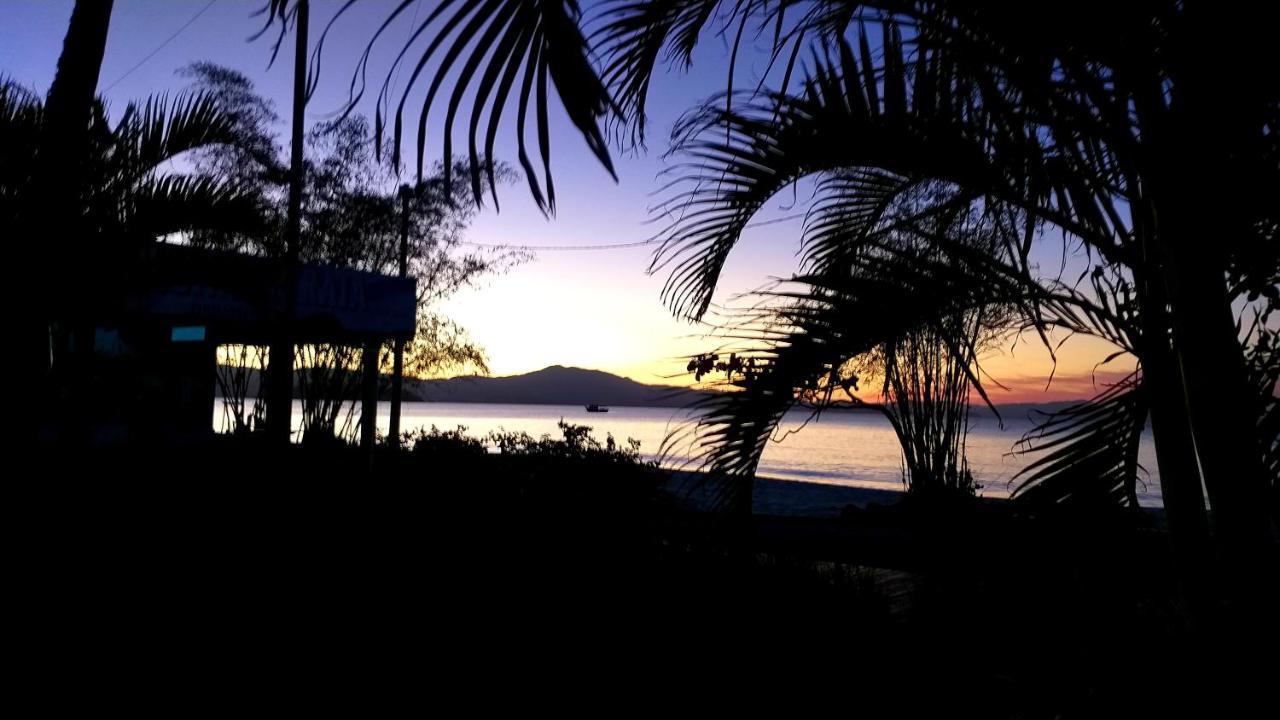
{"x": 592, "y": 309}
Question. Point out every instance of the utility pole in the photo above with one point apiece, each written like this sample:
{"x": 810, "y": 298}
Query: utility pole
{"x": 280, "y": 372}
{"x": 397, "y": 376}
{"x": 369, "y": 396}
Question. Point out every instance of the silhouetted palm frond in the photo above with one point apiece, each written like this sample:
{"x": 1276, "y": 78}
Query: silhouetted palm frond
{"x": 163, "y": 205}
{"x": 798, "y": 346}
{"x": 128, "y": 193}
{"x": 1090, "y": 451}
{"x": 635, "y": 35}
{"x": 1107, "y": 310}
{"x": 19, "y": 106}
{"x": 473, "y": 57}
{"x": 21, "y": 113}
{"x": 851, "y": 207}
{"x": 877, "y": 129}
{"x": 159, "y": 130}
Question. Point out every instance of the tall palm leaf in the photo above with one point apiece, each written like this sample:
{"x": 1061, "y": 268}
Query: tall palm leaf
{"x": 21, "y": 115}
{"x": 487, "y": 49}
{"x": 159, "y": 206}
{"x": 158, "y": 130}
{"x": 142, "y": 200}
{"x": 1090, "y": 458}
{"x": 130, "y": 193}
{"x": 883, "y": 131}
{"x": 635, "y": 35}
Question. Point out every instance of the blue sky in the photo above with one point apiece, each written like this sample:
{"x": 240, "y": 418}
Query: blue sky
{"x": 589, "y": 309}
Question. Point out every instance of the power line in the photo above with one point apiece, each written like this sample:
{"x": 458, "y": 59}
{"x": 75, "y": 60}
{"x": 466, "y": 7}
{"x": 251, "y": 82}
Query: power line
{"x": 162, "y": 45}
{"x": 395, "y": 82}
{"x": 617, "y": 246}
{"x": 614, "y": 246}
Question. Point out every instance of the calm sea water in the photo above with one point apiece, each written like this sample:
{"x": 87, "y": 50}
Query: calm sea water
{"x": 839, "y": 448}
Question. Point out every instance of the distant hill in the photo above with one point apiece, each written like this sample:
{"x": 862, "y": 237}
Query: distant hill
{"x": 1022, "y": 411}
{"x": 555, "y": 385}
{"x": 560, "y": 385}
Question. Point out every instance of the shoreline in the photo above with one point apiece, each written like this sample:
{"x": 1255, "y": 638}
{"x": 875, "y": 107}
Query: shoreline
{"x": 781, "y": 497}
{"x": 792, "y": 498}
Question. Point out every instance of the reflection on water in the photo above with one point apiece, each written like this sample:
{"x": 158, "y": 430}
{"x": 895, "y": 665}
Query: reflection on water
{"x": 840, "y": 448}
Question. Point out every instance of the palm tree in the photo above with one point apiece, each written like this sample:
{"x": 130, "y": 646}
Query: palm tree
{"x": 913, "y": 313}
{"x": 1131, "y": 129}
{"x": 928, "y": 117}
{"x": 1038, "y": 120}
{"x": 129, "y": 194}
{"x": 127, "y": 199}
{"x": 51, "y": 197}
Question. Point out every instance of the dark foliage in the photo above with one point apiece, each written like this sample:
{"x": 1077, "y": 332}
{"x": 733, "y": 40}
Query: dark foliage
{"x": 129, "y": 196}
{"x": 1089, "y": 460}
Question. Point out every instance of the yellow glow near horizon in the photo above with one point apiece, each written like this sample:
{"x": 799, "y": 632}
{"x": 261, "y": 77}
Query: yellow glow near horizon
{"x": 526, "y": 323}
{"x": 599, "y": 310}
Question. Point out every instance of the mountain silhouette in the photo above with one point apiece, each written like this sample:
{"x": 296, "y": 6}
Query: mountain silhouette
{"x": 560, "y": 385}
{"x": 555, "y": 385}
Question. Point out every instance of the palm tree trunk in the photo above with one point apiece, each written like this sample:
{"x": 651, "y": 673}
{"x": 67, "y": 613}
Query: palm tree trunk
{"x": 65, "y": 134}
{"x": 1222, "y": 406}
{"x": 1213, "y": 109}
{"x": 55, "y": 210}
{"x": 1196, "y": 198}
{"x": 1180, "y": 486}
{"x": 1187, "y": 138}
{"x": 1223, "y": 416}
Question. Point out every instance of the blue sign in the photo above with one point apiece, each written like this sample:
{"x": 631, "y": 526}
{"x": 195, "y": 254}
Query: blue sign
{"x": 187, "y": 333}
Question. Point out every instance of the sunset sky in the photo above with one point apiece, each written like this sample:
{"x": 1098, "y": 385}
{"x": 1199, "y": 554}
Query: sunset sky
{"x": 587, "y": 309}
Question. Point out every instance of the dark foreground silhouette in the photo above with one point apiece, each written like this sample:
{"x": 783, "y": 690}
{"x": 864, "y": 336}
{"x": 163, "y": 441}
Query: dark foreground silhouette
{"x": 474, "y": 575}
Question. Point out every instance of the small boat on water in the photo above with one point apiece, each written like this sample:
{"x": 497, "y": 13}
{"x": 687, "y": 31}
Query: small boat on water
{"x": 596, "y": 408}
